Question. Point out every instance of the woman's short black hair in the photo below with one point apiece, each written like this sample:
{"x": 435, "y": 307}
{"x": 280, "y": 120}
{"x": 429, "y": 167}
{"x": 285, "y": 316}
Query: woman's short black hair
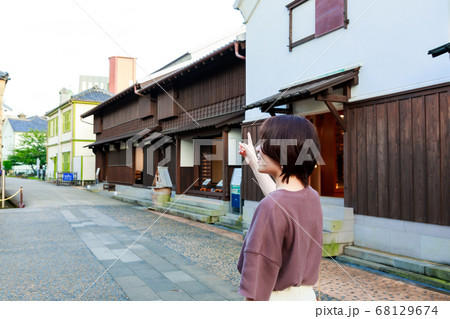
{"x": 288, "y": 133}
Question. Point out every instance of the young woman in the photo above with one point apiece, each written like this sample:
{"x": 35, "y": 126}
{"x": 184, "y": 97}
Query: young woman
{"x": 282, "y": 250}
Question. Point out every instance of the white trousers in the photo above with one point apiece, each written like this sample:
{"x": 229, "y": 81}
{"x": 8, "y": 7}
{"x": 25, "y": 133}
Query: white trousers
{"x": 305, "y": 293}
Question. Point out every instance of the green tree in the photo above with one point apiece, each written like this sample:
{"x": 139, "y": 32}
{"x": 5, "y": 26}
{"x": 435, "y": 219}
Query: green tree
{"x": 31, "y": 148}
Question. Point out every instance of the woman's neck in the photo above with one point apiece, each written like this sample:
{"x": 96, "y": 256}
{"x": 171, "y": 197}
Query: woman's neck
{"x": 294, "y": 183}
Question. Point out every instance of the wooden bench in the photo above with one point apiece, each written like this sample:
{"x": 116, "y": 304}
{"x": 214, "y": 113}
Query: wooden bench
{"x": 109, "y": 187}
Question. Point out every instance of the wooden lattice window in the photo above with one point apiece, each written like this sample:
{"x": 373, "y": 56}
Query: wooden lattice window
{"x": 66, "y": 162}
{"x": 67, "y": 116}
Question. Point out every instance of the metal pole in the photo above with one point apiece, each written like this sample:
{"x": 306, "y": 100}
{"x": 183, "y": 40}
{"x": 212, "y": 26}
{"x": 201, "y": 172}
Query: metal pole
{"x": 3, "y": 188}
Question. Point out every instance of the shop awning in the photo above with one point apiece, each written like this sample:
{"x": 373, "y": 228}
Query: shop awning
{"x": 308, "y": 89}
{"x": 217, "y": 121}
{"x": 118, "y": 138}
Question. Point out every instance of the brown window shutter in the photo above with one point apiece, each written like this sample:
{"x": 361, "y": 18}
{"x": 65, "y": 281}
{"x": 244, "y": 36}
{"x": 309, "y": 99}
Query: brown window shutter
{"x": 167, "y": 107}
{"x": 97, "y": 124}
{"x": 146, "y": 107}
{"x": 330, "y": 15}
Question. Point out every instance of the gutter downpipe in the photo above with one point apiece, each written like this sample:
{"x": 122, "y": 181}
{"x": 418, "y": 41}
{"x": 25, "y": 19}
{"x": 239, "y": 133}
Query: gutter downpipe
{"x": 236, "y": 50}
{"x": 136, "y": 90}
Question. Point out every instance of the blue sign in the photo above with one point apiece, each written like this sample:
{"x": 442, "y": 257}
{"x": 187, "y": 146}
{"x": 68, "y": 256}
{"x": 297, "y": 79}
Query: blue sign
{"x": 68, "y": 177}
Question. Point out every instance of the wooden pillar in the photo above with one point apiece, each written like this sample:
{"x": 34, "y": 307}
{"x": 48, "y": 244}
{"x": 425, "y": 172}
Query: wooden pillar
{"x": 178, "y": 167}
{"x": 226, "y": 182}
{"x": 346, "y": 160}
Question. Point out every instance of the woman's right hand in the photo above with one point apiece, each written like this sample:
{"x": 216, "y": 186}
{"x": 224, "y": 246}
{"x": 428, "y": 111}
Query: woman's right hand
{"x": 248, "y": 151}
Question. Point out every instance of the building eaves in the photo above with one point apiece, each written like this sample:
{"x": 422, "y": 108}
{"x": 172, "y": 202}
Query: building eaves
{"x": 130, "y": 91}
{"x": 440, "y": 50}
{"x": 192, "y": 66}
{"x": 306, "y": 90}
{"x": 216, "y": 121}
{"x": 145, "y": 87}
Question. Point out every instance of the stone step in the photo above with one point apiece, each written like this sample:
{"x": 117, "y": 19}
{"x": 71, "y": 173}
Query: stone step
{"x": 435, "y": 282}
{"x": 401, "y": 262}
{"x": 193, "y": 209}
{"x": 189, "y": 215}
{"x": 337, "y": 212}
{"x": 237, "y": 229}
{"x": 213, "y": 204}
{"x": 333, "y": 249}
{"x": 337, "y": 238}
{"x": 132, "y": 200}
{"x": 231, "y": 221}
{"x": 333, "y": 225}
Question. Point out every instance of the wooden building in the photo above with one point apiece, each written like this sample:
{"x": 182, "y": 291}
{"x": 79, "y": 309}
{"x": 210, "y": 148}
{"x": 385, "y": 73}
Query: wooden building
{"x": 381, "y": 109}
{"x": 202, "y": 101}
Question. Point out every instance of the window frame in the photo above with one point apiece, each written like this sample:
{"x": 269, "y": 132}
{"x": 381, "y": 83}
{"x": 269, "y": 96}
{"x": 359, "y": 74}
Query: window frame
{"x": 295, "y": 4}
{"x": 52, "y": 128}
{"x": 67, "y": 121}
{"x": 66, "y": 164}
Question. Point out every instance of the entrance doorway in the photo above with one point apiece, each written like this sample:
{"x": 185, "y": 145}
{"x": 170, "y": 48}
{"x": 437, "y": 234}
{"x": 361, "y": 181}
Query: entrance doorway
{"x": 328, "y": 179}
{"x": 209, "y": 170}
{"x": 139, "y": 165}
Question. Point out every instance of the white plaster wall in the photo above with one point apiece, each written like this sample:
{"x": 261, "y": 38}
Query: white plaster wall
{"x": 88, "y": 168}
{"x": 234, "y": 137}
{"x": 77, "y": 166}
{"x": 7, "y": 140}
{"x": 417, "y": 240}
{"x": 66, "y": 136}
{"x": 186, "y": 152}
{"x": 84, "y": 129}
{"x": 18, "y": 138}
{"x": 52, "y": 151}
{"x": 311, "y": 107}
{"x": 81, "y": 150}
{"x": 391, "y": 40}
{"x": 66, "y": 147}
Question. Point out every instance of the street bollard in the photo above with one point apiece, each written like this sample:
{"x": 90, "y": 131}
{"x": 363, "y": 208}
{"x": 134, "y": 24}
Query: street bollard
{"x": 21, "y": 204}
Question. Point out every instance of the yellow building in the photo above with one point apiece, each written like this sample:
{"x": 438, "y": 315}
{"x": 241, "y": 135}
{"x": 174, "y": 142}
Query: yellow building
{"x": 68, "y": 134}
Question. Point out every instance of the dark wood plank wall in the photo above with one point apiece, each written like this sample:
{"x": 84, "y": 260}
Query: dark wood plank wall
{"x": 214, "y": 86}
{"x": 399, "y": 156}
{"x": 249, "y": 188}
{"x": 120, "y": 175}
{"x": 124, "y": 118}
{"x": 167, "y": 107}
{"x": 101, "y": 162}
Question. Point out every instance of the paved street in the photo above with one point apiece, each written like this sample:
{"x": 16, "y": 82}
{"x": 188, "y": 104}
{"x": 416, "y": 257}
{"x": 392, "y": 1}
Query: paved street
{"x": 63, "y": 246}
{"x": 70, "y": 244}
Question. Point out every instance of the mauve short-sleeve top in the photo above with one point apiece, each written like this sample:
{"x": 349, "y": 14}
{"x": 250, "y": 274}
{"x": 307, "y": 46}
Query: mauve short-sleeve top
{"x": 283, "y": 246}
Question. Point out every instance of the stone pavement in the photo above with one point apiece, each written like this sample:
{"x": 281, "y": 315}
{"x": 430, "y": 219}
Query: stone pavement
{"x": 63, "y": 247}
{"x": 67, "y": 238}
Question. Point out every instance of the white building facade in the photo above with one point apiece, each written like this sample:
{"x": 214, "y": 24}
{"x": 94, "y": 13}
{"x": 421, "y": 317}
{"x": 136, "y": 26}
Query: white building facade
{"x": 13, "y": 130}
{"x": 300, "y": 45}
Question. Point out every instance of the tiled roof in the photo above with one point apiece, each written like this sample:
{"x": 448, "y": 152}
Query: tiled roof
{"x": 4, "y": 76}
{"x": 31, "y": 123}
{"x": 93, "y": 94}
